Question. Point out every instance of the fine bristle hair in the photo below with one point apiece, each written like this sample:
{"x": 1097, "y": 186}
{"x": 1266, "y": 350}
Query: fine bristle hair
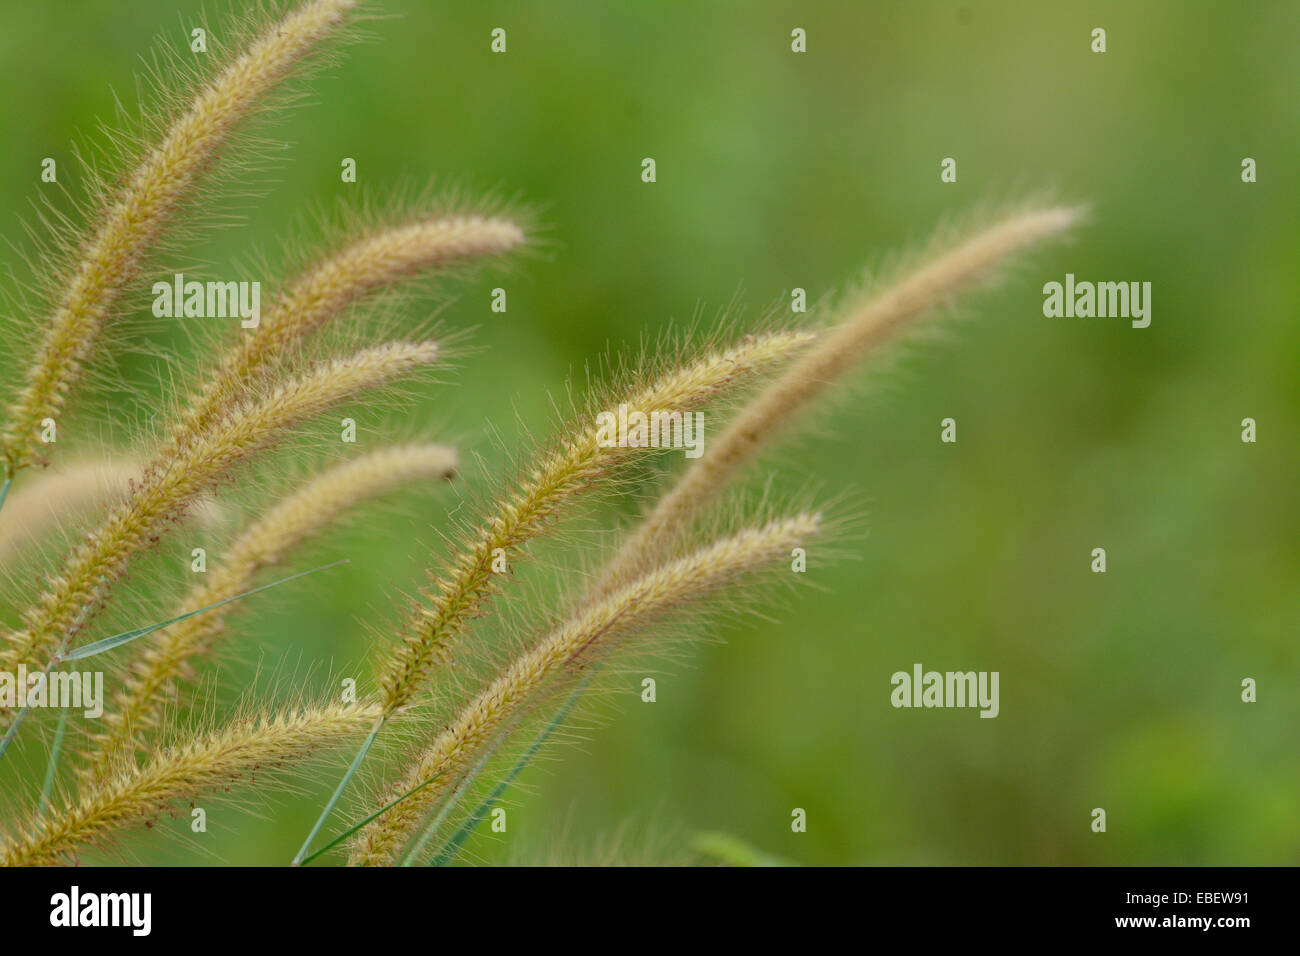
{"x": 589, "y": 633}
{"x": 575, "y": 462}
{"x": 129, "y": 223}
{"x": 158, "y": 666}
{"x": 861, "y": 326}
{"x": 194, "y": 765}
{"x": 170, "y": 484}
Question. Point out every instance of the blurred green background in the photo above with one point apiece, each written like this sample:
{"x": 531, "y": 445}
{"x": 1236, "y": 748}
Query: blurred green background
{"x": 778, "y": 170}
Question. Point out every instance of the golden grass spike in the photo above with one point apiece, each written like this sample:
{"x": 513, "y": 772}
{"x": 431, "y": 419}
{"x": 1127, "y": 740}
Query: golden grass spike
{"x": 201, "y": 764}
{"x": 134, "y": 221}
{"x": 864, "y": 326}
{"x": 340, "y": 280}
{"x": 571, "y": 465}
{"x": 168, "y": 485}
{"x": 139, "y": 706}
{"x": 590, "y": 631}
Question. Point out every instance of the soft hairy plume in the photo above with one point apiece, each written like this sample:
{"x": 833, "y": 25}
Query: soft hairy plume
{"x": 865, "y": 326}
{"x": 338, "y": 281}
{"x": 170, "y": 484}
{"x": 590, "y": 632}
{"x": 211, "y": 762}
{"x": 570, "y": 466}
{"x": 132, "y": 223}
{"x": 166, "y": 660}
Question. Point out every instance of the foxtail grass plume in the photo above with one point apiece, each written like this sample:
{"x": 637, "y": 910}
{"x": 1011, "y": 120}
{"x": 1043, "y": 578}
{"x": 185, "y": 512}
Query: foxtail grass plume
{"x": 203, "y": 764}
{"x": 591, "y": 632}
{"x": 338, "y": 281}
{"x": 132, "y": 223}
{"x": 864, "y": 326}
{"x": 169, "y": 485}
{"x": 156, "y": 668}
{"x": 577, "y": 461}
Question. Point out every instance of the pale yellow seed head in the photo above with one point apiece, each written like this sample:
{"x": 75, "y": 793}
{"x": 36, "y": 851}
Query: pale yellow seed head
{"x": 72, "y": 597}
{"x": 158, "y": 665}
{"x": 570, "y": 466}
{"x": 861, "y": 328}
{"x": 132, "y": 224}
{"x": 340, "y": 280}
{"x": 593, "y": 629}
{"x": 207, "y": 763}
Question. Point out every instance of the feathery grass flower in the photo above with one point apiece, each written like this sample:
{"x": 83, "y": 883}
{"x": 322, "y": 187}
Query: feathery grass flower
{"x": 591, "y": 631}
{"x": 133, "y": 222}
{"x": 205, "y": 763}
{"x": 169, "y": 485}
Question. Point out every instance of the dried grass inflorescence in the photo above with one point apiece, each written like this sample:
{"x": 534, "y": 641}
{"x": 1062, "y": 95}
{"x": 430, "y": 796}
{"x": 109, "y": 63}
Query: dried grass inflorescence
{"x": 340, "y": 280}
{"x": 206, "y": 763}
{"x": 150, "y": 197}
{"x": 574, "y": 464}
{"x": 589, "y": 634}
{"x": 860, "y": 328}
{"x": 157, "y": 668}
{"x": 169, "y": 485}
{"x": 156, "y": 745}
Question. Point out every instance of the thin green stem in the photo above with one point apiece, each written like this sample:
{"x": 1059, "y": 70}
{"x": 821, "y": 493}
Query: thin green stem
{"x": 52, "y": 769}
{"x": 360, "y": 823}
{"x": 125, "y": 637}
{"x": 448, "y": 850}
{"x": 301, "y": 857}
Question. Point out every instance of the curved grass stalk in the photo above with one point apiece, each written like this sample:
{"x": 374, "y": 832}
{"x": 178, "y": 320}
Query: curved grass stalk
{"x": 340, "y": 280}
{"x": 133, "y": 222}
{"x": 72, "y": 598}
{"x": 588, "y": 633}
{"x": 201, "y": 764}
{"x": 866, "y": 326}
{"x": 320, "y": 501}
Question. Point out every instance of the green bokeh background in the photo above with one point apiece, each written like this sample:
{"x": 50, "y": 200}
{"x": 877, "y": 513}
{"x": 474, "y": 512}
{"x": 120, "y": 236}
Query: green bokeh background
{"x": 778, "y": 170}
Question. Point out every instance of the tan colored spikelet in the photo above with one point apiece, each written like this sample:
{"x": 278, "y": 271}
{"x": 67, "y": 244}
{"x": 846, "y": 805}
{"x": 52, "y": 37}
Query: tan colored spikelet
{"x": 135, "y": 220}
{"x": 168, "y": 485}
{"x": 865, "y": 326}
{"x": 203, "y": 764}
{"x": 340, "y": 280}
{"x": 590, "y": 630}
{"x": 570, "y": 466}
{"x": 139, "y": 705}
